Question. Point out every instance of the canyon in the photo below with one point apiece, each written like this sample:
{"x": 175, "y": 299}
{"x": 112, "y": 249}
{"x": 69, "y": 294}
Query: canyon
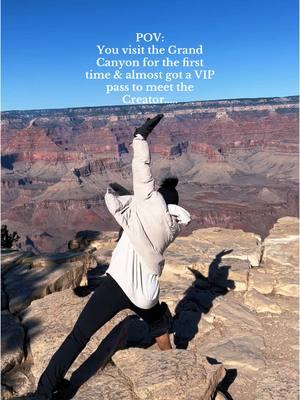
{"x": 237, "y": 163}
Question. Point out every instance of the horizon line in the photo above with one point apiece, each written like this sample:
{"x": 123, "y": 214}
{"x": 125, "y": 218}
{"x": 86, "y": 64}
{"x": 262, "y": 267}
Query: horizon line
{"x": 149, "y": 104}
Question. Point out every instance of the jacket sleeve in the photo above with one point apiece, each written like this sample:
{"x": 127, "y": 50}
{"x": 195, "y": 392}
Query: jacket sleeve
{"x": 112, "y": 202}
{"x": 118, "y": 206}
{"x": 143, "y": 182}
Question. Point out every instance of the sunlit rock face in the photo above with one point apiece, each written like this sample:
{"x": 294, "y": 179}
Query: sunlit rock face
{"x": 237, "y": 163}
{"x": 234, "y": 305}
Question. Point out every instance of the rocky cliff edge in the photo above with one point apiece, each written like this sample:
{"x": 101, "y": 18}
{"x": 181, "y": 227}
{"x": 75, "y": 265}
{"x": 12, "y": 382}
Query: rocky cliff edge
{"x": 234, "y": 301}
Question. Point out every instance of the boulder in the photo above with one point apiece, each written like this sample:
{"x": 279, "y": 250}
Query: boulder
{"x": 169, "y": 375}
{"x": 88, "y": 239}
{"x": 103, "y": 247}
{"x": 24, "y": 284}
{"x": 107, "y": 384}
{"x": 281, "y": 256}
{"x": 76, "y": 245}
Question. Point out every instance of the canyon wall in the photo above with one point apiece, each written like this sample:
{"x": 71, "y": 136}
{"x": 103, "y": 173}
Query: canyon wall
{"x": 237, "y": 163}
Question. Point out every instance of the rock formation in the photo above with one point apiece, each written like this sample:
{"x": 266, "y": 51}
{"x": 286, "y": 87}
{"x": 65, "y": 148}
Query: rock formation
{"x": 234, "y": 300}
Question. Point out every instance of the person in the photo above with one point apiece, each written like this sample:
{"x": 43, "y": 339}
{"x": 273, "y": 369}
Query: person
{"x": 150, "y": 219}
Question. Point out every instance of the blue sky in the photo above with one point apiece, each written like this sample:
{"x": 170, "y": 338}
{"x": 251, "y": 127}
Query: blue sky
{"x": 48, "y": 45}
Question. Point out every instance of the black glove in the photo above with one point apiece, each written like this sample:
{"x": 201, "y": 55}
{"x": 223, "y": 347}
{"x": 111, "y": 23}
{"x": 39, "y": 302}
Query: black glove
{"x": 148, "y": 126}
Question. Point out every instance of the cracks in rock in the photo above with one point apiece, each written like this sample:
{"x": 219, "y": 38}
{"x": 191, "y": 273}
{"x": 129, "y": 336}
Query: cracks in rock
{"x": 260, "y": 264}
{"x": 262, "y": 252}
{"x": 129, "y": 383}
{"x": 248, "y": 277}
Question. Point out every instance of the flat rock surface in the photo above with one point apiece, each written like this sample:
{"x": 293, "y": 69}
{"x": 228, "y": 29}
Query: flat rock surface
{"x": 261, "y": 303}
{"x": 222, "y": 256}
{"x": 202, "y": 246}
{"x": 234, "y": 336}
{"x": 261, "y": 281}
{"x": 277, "y": 382}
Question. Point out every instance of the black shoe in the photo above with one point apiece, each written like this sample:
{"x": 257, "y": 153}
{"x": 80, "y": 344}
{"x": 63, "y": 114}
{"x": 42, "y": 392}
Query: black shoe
{"x": 66, "y": 391}
{"x": 148, "y": 126}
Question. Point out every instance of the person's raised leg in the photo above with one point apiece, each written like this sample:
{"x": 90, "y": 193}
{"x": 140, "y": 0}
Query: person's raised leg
{"x": 104, "y": 304}
{"x": 159, "y": 320}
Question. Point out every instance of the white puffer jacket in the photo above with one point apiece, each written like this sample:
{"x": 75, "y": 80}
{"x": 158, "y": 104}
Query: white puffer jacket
{"x": 145, "y": 216}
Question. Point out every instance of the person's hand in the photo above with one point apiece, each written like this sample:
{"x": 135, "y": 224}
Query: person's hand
{"x": 148, "y": 126}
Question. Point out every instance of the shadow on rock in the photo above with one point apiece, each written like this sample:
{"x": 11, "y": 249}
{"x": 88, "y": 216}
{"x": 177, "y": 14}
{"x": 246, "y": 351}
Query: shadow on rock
{"x": 198, "y": 299}
{"x": 116, "y": 340}
{"x": 133, "y": 332}
{"x": 228, "y": 379}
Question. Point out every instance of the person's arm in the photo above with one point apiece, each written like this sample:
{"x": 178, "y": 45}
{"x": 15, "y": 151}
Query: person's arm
{"x": 112, "y": 201}
{"x": 143, "y": 182}
{"x": 117, "y": 205}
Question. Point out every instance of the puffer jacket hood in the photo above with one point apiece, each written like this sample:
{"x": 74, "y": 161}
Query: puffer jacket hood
{"x": 182, "y": 215}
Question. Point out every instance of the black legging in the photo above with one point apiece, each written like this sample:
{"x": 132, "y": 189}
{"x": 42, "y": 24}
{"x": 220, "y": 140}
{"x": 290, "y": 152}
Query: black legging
{"x": 107, "y": 300}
